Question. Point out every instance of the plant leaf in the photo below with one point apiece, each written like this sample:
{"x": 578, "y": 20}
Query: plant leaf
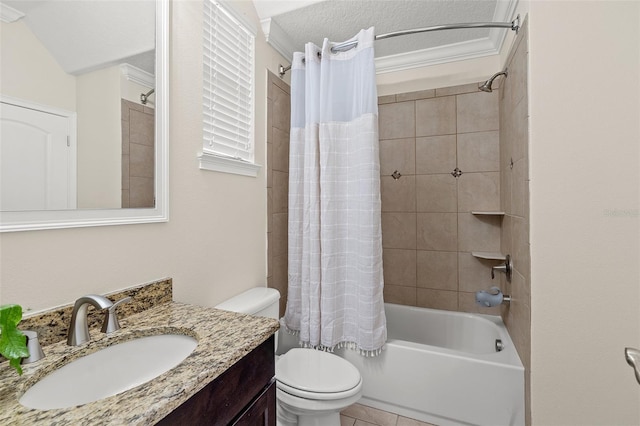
{"x": 13, "y": 344}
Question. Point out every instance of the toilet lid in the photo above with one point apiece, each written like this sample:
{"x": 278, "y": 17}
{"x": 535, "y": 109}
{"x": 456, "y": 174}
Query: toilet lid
{"x": 316, "y": 371}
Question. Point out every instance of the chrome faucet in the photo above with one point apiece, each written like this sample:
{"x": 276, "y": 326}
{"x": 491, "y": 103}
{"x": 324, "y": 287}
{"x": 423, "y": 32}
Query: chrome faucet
{"x": 79, "y": 328}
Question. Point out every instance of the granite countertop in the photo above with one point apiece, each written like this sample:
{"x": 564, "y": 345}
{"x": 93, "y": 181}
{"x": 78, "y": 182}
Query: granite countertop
{"x": 223, "y": 338}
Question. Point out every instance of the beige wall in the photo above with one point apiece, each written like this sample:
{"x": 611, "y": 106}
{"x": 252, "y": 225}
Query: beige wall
{"x": 99, "y": 138}
{"x": 29, "y": 72}
{"x": 585, "y": 200}
{"x": 214, "y": 245}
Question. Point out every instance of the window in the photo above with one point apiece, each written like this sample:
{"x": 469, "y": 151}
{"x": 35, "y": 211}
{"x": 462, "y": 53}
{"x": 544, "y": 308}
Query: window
{"x": 229, "y": 81}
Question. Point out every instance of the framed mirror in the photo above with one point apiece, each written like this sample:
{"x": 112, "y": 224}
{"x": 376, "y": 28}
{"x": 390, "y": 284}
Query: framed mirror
{"x": 99, "y": 187}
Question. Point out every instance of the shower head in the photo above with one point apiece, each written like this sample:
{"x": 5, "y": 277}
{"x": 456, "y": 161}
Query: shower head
{"x": 486, "y": 86}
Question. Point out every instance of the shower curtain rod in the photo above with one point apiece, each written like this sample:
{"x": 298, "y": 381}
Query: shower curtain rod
{"x": 513, "y": 25}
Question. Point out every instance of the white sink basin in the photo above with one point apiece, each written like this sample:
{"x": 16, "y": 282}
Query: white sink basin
{"x": 109, "y": 371}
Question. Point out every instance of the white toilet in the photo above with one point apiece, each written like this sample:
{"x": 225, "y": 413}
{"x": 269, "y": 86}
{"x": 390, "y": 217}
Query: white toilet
{"x": 312, "y": 387}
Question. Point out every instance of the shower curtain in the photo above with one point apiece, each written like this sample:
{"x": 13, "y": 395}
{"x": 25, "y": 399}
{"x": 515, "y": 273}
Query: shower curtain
{"x": 335, "y": 238}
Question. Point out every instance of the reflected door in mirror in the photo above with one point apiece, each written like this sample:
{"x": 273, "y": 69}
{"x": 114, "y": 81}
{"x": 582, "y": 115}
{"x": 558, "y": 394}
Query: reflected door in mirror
{"x": 37, "y": 167}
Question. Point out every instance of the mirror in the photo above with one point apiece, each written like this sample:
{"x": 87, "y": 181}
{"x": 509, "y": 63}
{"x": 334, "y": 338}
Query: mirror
{"x": 99, "y": 196}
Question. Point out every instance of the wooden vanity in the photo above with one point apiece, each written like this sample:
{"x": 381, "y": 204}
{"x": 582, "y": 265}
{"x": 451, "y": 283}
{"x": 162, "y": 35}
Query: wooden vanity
{"x": 227, "y": 380}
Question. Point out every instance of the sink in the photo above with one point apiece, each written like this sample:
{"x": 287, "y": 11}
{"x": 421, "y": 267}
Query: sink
{"x": 109, "y": 371}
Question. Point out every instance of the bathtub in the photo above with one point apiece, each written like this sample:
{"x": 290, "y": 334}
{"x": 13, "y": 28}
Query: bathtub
{"x": 443, "y": 368}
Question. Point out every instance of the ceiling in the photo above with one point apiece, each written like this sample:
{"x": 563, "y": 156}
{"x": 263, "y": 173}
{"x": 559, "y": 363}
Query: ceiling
{"x": 87, "y": 35}
{"x": 289, "y": 24}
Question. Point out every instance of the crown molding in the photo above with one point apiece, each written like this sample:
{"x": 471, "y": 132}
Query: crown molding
{"x": 9, "y": 14}
{"x": 491, "y": 45}
{"x": 277, "y": 38}
{"x": 437, "y": 55}
{"x": 138, "y": 76}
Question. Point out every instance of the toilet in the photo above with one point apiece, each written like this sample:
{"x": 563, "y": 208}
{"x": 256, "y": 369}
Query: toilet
{"x": 312, "y": 386}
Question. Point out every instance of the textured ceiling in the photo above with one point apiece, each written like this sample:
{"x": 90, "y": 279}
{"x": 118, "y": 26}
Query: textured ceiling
{"x": 340, "y": 20}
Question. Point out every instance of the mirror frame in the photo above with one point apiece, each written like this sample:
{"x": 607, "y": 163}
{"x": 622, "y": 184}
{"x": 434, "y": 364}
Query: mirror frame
{"x": 57, "y": 219}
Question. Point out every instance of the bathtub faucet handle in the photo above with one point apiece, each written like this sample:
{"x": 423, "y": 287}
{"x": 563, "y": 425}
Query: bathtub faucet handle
{"x": 505, "y": 268}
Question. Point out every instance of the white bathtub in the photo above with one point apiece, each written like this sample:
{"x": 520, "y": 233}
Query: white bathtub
{"x": 443, "y": 368}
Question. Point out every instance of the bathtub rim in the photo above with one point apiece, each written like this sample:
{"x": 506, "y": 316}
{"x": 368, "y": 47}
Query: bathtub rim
{"x": 508, "y": 356}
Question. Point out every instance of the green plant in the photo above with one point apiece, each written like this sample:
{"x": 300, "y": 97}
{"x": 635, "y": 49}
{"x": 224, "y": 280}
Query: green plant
{"x": 13, "y": 344}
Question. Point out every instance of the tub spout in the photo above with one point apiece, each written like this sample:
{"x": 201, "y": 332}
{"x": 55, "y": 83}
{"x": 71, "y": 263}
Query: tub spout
{"x": 493, "y": 297}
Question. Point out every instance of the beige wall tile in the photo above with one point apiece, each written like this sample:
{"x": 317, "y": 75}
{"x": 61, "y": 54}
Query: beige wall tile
{"x": 398, "y": 154}
{"x": 477, "y": 112}
{"x": 437, "y": 299}
{"x": 479, "y": 152}
{"x": 436, "y": 154}
{"x": 398, "y": 195}
{"x": 125, "y": 198}
{"x": 125, "y": 137}
{"x": 399, "y": 294}
{"x": 280, "y": 150}
{"x": 141, "y": 128}
{"x": 437, "y": 270}
{"x": 281, "y": 118}
{"x": 437, "y": 231}
{"x": 399, "y": 230}
{"x": 479, "y": 192}
{"x": 125, "y": 172}
{"x": 389, "y": 99}
{"x": 269, "y": 169}
{"x": 412, "y": 96}
{"x": 436, "y": 116}
{"x": 519, "y": 188}
{"x": 280, "y": 234}
{"x": 478, "y": 233}
{"x": 456, "y": 90}
{"x": 280, "y": 193}
{"x": 397, "y": 120}
{"x": 436, "y": 193}
{"x": 521, "y": 252}
{"x": 141, "y": 193}
{"x": 141, "y": 160}
{"x": 399, "y": 267}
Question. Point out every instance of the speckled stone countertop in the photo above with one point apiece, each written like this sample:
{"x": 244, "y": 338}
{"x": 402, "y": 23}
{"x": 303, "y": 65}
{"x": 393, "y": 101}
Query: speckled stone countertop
{"x": 223, "y": 338}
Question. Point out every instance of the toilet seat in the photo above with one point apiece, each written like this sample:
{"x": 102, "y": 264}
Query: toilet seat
{"x": 312, "y": 374}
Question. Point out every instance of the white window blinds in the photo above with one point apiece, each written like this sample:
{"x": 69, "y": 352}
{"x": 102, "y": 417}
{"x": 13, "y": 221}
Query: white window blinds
{"x": 228, "y": 84}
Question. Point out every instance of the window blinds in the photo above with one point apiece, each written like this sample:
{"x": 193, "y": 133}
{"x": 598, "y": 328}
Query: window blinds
{"x": 228, "y": 84}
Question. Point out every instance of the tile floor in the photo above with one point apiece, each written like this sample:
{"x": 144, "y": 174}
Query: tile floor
{"x": 361, "y": 415}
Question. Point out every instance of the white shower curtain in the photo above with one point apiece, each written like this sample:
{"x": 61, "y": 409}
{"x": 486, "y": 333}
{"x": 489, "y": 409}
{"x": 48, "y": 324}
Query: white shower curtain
{"x": 335, "y": 238}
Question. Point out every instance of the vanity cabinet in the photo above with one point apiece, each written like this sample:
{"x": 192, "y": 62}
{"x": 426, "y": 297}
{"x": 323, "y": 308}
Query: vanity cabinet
{"x": 244, "y": 395}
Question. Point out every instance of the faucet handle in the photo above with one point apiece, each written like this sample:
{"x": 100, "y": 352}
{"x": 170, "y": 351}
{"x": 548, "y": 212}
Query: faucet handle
{"x": 110, "y": 323}
{"x": 506, "y": 268}
{"x": 33, "y": 345}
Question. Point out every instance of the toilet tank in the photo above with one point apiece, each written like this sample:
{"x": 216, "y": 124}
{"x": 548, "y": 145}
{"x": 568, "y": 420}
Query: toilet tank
{"x": 259, "y": 301}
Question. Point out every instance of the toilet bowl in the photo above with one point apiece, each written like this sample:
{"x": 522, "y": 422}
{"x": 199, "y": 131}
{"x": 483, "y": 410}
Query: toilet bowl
{"x": 312, "y": 386}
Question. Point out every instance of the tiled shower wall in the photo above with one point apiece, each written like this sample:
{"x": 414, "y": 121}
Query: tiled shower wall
{"x": 428, "y": 229}
{"x": 514, "y": 159}
{"x": 138, "y": 155}
{"x": 278, "y": 124}
{"x": 445, "y": 145}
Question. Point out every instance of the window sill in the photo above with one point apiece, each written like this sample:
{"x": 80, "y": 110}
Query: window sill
{"x": 217, "y": 163}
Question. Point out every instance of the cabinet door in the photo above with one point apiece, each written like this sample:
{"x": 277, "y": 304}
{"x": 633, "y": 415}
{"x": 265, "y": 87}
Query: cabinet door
{"x": 262, "y": 412}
